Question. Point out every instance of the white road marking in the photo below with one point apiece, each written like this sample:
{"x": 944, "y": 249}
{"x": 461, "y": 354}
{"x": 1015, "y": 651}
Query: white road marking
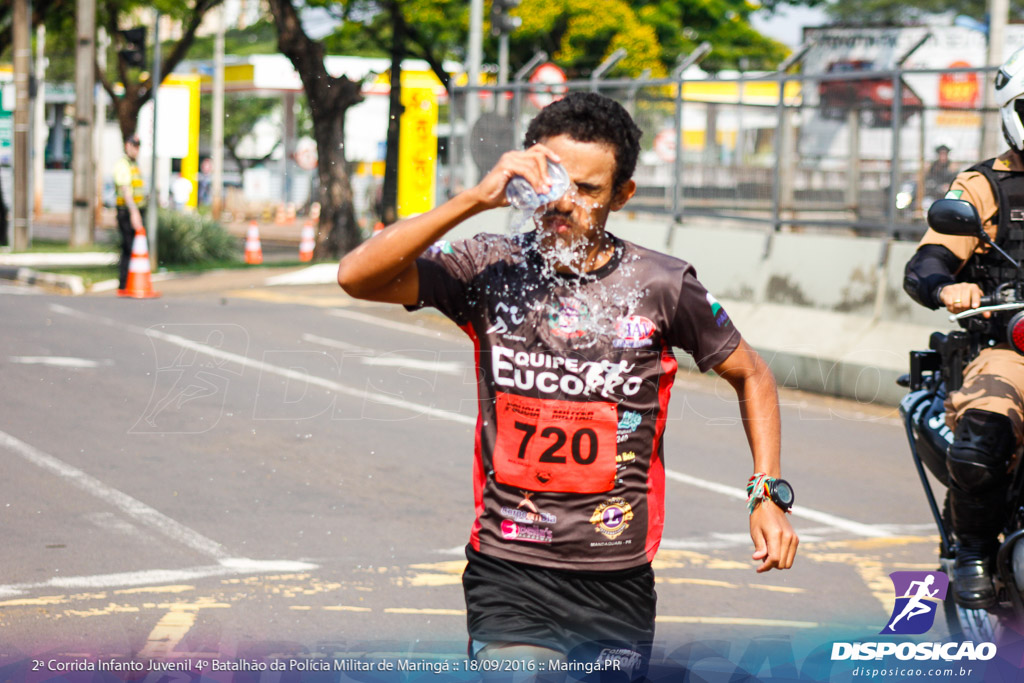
{"x": 391, "y": 324}
{"x": 816, "y": 534}
{"x": 135, "y": 509}
{"x": 311, "y": 379}
{"x": 287, "y": 373}
{"x": 335, "y": 344}
{"x": 851, "y": 526}
{"x": 320, "y": 274}
{"x": 227, "y": 567}
{"x": 857, "y": 528}
{"x": 60, "y": 361}
{"x": 440, "y": 367}
{"x": 390, "y": 359}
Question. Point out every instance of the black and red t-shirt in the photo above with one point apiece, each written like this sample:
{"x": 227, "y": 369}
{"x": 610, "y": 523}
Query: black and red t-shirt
{"x": 574, "y": 381}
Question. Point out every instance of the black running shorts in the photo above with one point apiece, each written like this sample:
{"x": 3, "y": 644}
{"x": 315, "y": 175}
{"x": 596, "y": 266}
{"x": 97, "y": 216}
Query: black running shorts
{"x": 586, "y": 615}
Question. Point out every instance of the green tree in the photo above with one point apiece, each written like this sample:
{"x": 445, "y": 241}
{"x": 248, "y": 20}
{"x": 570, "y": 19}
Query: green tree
{"x": 129, "y": 87}
{"x": 894, "y": 12}
{"x": 329, "y": 99}
{"x": 432, "y": 30}
{"x": 579, "y": 34}
{"x": 241, "y": 114}
{"x": 41, "y": 9}
{"x": 136, "y": 83}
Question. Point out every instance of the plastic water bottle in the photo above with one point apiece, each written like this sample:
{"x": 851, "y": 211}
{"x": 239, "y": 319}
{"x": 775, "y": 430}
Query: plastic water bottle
{"x": 522, "y": 196}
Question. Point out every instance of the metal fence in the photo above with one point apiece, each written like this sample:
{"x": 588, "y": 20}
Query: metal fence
{"x": 846, "y": 150}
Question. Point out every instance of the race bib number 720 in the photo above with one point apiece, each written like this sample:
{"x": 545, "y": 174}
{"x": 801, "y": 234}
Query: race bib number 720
{"x": 555, "y": 446}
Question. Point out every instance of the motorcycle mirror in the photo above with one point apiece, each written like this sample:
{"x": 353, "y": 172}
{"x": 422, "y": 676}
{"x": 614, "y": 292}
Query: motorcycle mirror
{"x": 954, "y": 217}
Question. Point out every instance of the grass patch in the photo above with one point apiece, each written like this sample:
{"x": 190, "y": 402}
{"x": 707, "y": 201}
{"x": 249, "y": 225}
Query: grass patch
{"x": 40, "y": 246}
{"x": 90, "y": 274}
{"x": 233, "y": 264}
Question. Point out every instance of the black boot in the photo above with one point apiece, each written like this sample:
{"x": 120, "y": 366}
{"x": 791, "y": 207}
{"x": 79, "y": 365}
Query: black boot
{"x": 977, "y": 463}
{"x": 972, "y": 572}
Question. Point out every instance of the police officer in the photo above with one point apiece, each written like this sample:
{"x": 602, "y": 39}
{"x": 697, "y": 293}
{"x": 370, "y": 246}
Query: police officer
{"x": 987, "y": 412}
{"x": 940, "y": 174}
{"x": 130, "y": 201}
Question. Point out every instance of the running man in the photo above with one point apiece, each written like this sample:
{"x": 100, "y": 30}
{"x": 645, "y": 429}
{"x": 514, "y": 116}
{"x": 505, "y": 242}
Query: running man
{"x": 916, "y": 604}
{"x": 573, "y": 329}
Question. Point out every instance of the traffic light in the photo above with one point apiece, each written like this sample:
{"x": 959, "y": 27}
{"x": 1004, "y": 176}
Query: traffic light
{"x": 501, "y": 22}
{"x": 135, "y": 53}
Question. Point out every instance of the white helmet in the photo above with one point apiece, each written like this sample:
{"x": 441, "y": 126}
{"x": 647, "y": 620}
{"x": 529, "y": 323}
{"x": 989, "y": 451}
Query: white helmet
{"x": 1010, "y": 99}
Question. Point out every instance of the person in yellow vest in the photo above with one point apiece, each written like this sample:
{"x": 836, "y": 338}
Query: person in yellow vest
{"x": 130, "y": 202}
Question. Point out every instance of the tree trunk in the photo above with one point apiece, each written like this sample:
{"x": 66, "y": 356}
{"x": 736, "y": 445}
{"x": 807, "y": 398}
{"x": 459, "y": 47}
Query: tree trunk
{"x": 329, "y": 99}
{"x": 389, "y": 193}
{"x": 127, "y": 110}
{"x": 4, "y": 239}
{"x": 136, "y": 93}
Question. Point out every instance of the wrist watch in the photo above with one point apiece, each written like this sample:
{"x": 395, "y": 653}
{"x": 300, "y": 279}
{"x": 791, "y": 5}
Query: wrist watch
{"x": 781, "y": 493}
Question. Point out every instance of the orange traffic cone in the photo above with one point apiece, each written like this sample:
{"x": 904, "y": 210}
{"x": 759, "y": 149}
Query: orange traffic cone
{"x": 253, "y": 249}
{"x": 307, "y": 242}
{"x": 139, "y": 284}
{"x": 279, "y": 215}
{"x": 378, "y": 226}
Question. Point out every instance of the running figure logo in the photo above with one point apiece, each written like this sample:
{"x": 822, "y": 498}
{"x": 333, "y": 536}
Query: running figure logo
{"x": 918, "y": 595}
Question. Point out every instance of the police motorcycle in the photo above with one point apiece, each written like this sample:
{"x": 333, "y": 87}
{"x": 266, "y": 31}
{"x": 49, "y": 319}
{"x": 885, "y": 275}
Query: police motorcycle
{"x": 933, "y": 374}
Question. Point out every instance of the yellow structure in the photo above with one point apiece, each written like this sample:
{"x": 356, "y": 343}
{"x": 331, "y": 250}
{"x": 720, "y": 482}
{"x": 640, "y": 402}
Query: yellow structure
{"x": 417, "y": 148}
{"x": 190, "y": 162}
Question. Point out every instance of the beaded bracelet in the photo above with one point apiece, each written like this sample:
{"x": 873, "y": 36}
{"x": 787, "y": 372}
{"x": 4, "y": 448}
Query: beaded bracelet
{"x": 757, "y": 489}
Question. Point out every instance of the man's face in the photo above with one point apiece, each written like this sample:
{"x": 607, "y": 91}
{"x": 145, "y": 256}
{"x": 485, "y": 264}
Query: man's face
{"x": 131, "y": 148}
{"x": 579, "y": 216}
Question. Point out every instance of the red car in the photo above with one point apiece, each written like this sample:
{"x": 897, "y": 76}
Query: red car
{"x": 872, "y": 97}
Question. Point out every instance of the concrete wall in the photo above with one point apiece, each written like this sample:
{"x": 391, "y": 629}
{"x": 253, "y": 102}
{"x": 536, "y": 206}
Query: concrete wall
{"x": 828, "y": 312}
{"x": 56, "y": 189}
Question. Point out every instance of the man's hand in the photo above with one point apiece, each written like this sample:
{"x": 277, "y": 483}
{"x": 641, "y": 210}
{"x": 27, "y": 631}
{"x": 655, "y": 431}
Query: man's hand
{"x": 775, "y": 541}
{"x": 960, "y": 297}
{"x": 530, "y": 164}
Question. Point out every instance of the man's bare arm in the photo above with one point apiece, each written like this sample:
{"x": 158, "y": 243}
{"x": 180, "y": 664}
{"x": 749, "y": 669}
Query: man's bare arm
{"x": 775, "y": 542}
{"x": 134, "y": 215}
{"x": 384, "y": 267}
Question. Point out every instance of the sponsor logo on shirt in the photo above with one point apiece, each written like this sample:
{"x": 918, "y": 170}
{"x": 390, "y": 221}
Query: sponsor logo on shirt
{"x": 555, "y": 374}
{"x": 628, "y": 423}
{"x": 514, "y": 531}
{"x": 721, "y": 317}
{"x": 440, "y": 247}
{"x": 954, "y": 194}
{"x": 500, "y": 326}
{"x": 518, "y": 515}
{"x": 633, "y": 332}
{"x": 612, "y": 517}
{"x": 531, "y": 514}
{"x": 626, "y": 458}
{"x": 569, "y": 319}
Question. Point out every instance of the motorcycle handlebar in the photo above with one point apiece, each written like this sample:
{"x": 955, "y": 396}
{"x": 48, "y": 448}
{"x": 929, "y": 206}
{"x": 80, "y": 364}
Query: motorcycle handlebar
{"x": 1011, "y": 306}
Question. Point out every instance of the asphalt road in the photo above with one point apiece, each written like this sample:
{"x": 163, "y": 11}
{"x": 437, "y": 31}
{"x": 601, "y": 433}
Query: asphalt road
{"x": 241, "y": 470}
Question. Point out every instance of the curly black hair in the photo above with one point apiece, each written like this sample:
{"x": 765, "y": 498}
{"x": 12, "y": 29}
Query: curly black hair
{"x": 590, "y": 117}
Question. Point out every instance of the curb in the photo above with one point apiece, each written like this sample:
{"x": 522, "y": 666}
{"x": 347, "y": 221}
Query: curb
{"x": 67, "y": 284}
